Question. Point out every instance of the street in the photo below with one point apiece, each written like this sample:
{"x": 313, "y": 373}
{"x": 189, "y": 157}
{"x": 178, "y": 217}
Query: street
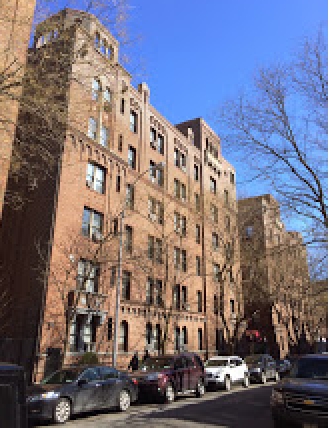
{"x": 239, "y": 408}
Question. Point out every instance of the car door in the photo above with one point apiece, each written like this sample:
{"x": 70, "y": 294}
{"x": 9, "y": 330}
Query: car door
{"x": 181, "y": 374}
{"x": 194, "y": 372}
{"x": 232, "y": 368}
{"x": 112, "y": 385}
{"x": 240, "y": 370}
{"x": 89, "y": 393}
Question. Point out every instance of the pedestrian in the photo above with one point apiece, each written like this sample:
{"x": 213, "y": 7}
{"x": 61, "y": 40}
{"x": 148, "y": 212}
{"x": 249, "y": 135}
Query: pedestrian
{"x": 146, "y": 355}
{"x": 133, "y": 365}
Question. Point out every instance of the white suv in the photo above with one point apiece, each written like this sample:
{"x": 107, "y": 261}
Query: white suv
{"x": 223, "y": 371}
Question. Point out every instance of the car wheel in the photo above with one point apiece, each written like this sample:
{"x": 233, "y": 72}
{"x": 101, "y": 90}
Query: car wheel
{"x": 124, "y": 400}
{"x": 200, "y": 389}
{"x": 277, "y": 377}
{"x": 62, "y": 411}
{"x": 246, "y": 381}
{"x": 227, "y": 383}
{"x": 263, "y": 377}
{"x": 169, "y": 394}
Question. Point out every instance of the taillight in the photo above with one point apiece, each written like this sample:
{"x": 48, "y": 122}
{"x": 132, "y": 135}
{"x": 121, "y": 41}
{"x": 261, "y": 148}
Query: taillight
{"x": 134, "y": 381}
{"x": 162, "y": 377}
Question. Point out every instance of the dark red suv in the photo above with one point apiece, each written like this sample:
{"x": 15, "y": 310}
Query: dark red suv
{"x": 167, "y": 376}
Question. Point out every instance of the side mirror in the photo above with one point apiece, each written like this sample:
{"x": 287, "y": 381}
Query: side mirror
{"x": 82, "y": 382}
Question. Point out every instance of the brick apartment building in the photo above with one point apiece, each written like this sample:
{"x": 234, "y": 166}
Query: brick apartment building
{"x": 16, "y": 18}
{"x": 110, "y": 152}
{"x": 275, "y": 276}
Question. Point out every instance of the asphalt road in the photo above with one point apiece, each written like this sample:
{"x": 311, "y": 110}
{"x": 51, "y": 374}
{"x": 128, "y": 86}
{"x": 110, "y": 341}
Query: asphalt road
{"x": 239, "y": 408}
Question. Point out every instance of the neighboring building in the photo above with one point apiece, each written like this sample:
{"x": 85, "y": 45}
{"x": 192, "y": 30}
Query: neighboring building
{"x": 180, "y": 269}
{"x": 16, "y": 18}
{"x": 318, "y": 308}
{"x": 275, "y": 277}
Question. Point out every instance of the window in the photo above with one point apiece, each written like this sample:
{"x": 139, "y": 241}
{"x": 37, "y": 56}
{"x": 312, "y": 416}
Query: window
{"x": 197, "y": 234}
{"x": 160, "y": 174}
{"x": 176, "y": 297}
{"x": 153, "y": 171}
{"x": 177, "y": 340}
{"x": 176, "y": 157}
{"x": 153, "y": 137}
{"x": 150, "y": 247}
{"x": 133, "y": 121}
{"x": 122, "y": 106}
{"x": 155, "y": 250}
{"x": 183, "y": 192}
{"x": 232, "y": 178}
{"x": 227, "y": 223}
{"x": 215, "y": 241}
{"x": 249, "y": 232}
{"x": 199, "y": 300}
{"x": 156, "y": 174}
{"x": 158, "y": 250}
{"x": 212, "y": 185}
{"x": 104, "y": 136}
{"x": 232, "y": 306}
{"x": 160, "y": 144}
{"x": 176, "y": 188}
{"x": 184, "y": 260}
{"x": 107, "y": 95}
{"x": 179, "y": 224}
{"x": 180, "y": 259}
{"x": 180, "y": 159}
{"x": 130, "y": 196}
{"x": 95, "y": 178}
{"x": 96, "y": 89}
{"x": 216, "y": 272}
{"x": 184, "y": 336}
{"x": 118, "y": 184}
{"x": 230, "y": 274}
{"x": 200, "y": 344}
{"x": 183, "y": 162}
{"x": 97, "y": 40}
{"x": 157, "y": 344}
{"x": 184, "y": 297}
{"x": 148, "y": 334}
{"x": 113, "y": 276}
{"x": 109, "y": 328}
{"x": 196, "y": 172}
{"x": 129, "y": 239}
{"x": 176, "y": 258}
{"x": 115, "y": 226}
{"x": 92, "y": 128}
{"x": 158, "y": 292}
{"x": 198, "y": 265}
{"x": 226, "y": 197}
{"x": 88, "y": 276}
{"x": 215, "y": 304}
{"x": 229, "y": 251}
{"x": 120, "y": 143}
{"x": 126, "y": 285}
{"x": 92, "y": 223}
{"x": 123, "y": 337}
{"x": 149, "y": 291}
{"x": 214, "y": 213}
{"x": 103, "y": 47}
{"x": 132, "y": 157}
{"x": 197, "y": 201}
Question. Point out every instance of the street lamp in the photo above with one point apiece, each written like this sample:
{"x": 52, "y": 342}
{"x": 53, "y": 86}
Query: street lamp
{"x": 158, "y": 166}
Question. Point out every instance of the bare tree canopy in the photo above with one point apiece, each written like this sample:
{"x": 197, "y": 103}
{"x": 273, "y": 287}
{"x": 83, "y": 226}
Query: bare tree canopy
{"x": 278, "y": 126}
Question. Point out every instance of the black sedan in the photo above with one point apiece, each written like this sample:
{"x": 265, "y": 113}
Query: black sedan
{"x": 80, "y": 389}
{"x": 283, "y": 367}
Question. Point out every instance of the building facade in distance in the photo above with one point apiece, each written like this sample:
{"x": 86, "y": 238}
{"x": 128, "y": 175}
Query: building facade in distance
{"x": 275, "y": 277}
{"x": 127, "y": 198}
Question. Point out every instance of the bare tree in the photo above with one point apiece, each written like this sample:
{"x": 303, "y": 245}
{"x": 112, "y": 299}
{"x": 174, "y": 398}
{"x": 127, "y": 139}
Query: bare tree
{"x": 279, "y": 128}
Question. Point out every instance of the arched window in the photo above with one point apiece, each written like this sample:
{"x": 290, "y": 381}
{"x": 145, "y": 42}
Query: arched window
{"x": 109, "y": 52}
{"x": 148, "y": 334}
{"x": 96, "y": 88}
{"x": 103, "y": 48}
{"x": 123, "y": 339}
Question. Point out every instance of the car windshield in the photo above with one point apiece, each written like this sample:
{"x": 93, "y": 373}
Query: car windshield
{"x": 157, "y": 364}
{"x": 253, "y": 359}
{"x": 61, "y": 377}
{"x": 216, "y": 363}
{"x": 310, "y": 368}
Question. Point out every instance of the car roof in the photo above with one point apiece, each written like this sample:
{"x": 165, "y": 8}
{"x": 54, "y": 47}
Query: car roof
{"x": 315, "y": 356}
{"x": 224, "y": 357}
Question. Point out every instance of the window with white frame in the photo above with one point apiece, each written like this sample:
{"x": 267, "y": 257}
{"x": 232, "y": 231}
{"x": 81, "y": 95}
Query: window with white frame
{"x": 88, "y": 276}
{"x": 216, "y": 272}
{"x": 160, "y": 145}
{"x": 95, "y": 178}
{"x": 104, "y": 136}
{"x": 96, "y": 89}
{"x": 132, "y": 157}
{"x": 179, "y": 223}
{"x": 107, "y": 95}
{"x": 153, "y": 138}
{"x": 92, "y": 223}
{"x": 180, "y": 159}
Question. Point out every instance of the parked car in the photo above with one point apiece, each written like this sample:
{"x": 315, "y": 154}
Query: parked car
{"x": 168, "y": 376}
{"x": 80, "y": 389}
{"x": 283, "y": 367}
{"x": 223, "y": 371}
{"x": 301, "y": 398}
{"x": 261, "y": 368}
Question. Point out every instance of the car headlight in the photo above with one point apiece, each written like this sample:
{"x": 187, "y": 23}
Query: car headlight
{"x": 255, "y": 369}
{"x": 153, "y": 376}
{"x": 277, "y": 397}
{"x": 45, "y": 396}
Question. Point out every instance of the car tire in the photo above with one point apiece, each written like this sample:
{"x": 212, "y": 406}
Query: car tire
{"x": 246, "y": 381}
{"x": 200, "y": 389}
{"x": 169, "y": 396}
{"x": 62, "y": 411}
{"x": 227, "y": 383}
{"x": 263, "y": 378}
{"x": 124, "y": 400}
